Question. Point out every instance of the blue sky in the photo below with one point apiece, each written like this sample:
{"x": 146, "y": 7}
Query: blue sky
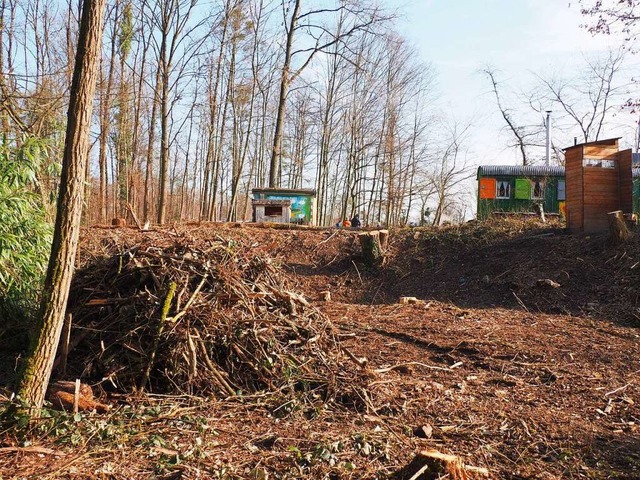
{"x": 516, "y": 37}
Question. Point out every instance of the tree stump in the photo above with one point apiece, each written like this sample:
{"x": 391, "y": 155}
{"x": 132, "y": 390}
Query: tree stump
{"x": 618, "y": 231}
{"x": 432, "y": 465}
{"x": 371, "y": 249}
{"x": 384, "y": 239}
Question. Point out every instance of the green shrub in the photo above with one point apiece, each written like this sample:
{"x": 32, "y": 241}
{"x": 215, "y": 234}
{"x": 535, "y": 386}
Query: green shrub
{"x": 25, "y": 234}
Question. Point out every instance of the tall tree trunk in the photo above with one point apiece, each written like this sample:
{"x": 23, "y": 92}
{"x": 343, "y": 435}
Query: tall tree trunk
{"x": 276, "y": 154}
{"x": 105, "y": 124}
{"x": 42, "y": 350}
{"x": 164, "y": 142}
{"x": 150, "y": 144}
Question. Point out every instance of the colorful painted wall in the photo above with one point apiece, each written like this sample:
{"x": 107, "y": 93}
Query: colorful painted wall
{"x": 302, "y": 202}
{"x": 519, "y": 190}
{"x": 513, "y": 189}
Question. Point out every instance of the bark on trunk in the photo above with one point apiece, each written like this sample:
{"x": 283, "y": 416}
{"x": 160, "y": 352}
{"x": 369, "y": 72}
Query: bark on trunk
{"x": 42, "y": 350}
{"x": 274, "y": 169}
{"x": 371, "y": 248}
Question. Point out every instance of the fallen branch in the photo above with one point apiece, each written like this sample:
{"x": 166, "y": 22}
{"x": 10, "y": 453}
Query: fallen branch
{"x": 156, "y": 341}
{"x": 399, "y": 366}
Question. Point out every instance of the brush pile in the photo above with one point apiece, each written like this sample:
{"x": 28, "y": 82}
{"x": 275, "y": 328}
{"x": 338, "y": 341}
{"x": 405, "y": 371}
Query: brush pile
{"x": 206, "y": 317}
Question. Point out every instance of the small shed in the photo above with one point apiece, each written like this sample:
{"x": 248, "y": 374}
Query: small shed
{"x": 284, "y": 205}
{"x": 599, "y": 180}
{"x": 274, "y": 211}
{"x": 519, "y": 189}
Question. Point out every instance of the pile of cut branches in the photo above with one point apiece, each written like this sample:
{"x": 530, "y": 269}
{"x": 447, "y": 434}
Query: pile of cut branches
{"x": 207, "y": 317}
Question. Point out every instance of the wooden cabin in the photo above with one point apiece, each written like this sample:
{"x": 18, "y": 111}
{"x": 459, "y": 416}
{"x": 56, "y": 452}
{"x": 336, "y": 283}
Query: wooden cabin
{"x": 284, "y": 205}
{"x": 271, "y": 211}
{"x": 599, "y": 180}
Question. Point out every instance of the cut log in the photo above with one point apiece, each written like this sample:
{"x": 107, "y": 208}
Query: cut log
{"x": 408, "y": 300}
{"x": 69, "y": 397}
{"x": 432, "y": 465}
{"x": 371, "y": 250}
{"x": 118, "y": 222}
{"x": 618, "y": 231}
{"x": 70, "y": 387}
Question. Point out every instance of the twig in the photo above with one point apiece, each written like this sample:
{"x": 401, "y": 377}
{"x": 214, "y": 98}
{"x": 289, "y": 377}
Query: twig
{"x": 361, "y": 362}
{"x": 520, "y": 302}
{"x": 156, "y": 341}
{"x": 400, "y": 365}
{"x": 358, "y": 272}
{"x": 134, "y": 216}
{"x": 618, "y": 389}
{"x": 76, "y": 396}
{"x": 326, "y": 239}
{"x": 189, "y": 302}
{"x": 30, "y": 449}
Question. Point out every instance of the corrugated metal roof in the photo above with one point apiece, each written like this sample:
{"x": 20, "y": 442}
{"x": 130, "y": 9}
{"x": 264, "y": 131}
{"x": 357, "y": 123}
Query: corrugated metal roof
{"x": 526, "y": 171}
{"x": 532, "y": 170}
{"x": 285, "y": 191}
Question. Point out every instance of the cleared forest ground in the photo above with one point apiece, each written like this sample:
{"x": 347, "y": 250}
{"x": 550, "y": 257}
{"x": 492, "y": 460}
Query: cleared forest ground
{"x": 512, "y": 374}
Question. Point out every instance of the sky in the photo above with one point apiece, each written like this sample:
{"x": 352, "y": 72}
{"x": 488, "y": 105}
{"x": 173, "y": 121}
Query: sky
{"x": 517, "y": 38}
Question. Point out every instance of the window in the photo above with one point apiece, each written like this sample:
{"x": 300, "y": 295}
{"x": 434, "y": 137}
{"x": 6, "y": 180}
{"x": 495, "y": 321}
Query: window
{"x": 273, "y": 211}
{"x": 537, "y": 189}
{"x": 598, "y": 163}
{"x": 503, "y": 189}
{"x": 561, "y": 190}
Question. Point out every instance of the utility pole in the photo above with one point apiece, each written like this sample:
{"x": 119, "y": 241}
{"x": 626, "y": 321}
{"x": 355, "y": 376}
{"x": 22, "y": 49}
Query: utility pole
{"x": 548, "y": 158}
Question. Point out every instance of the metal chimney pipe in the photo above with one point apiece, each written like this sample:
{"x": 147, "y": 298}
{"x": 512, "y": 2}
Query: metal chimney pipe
{"x": 548, "y": 137}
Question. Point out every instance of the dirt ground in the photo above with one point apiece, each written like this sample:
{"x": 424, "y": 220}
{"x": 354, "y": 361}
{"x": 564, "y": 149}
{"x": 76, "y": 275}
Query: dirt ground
{"x": 528, "y": 378}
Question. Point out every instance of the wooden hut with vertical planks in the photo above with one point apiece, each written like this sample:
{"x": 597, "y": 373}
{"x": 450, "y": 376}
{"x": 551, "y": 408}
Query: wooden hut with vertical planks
{"x": 598, "y": 181}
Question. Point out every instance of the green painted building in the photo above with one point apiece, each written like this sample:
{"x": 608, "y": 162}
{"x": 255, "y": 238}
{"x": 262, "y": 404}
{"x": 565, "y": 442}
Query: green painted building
{"x": 517, "y": 188}
{"x": 635, "y": 171}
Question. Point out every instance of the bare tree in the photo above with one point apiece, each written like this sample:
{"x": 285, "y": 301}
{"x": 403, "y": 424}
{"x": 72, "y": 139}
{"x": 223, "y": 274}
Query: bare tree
{"x": 613, "y": 15}
{"x": 524, "y": 136}
{"x": 590, "y": 99}
{"x": 323, "y": 37}
{"x": 450, "y": 170}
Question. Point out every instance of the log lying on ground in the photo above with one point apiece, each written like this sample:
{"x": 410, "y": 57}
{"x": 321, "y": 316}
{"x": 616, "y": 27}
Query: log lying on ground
{"x": 408, "y": 300}
{"x": 62, "y": 396}
{"x": 618, "y": 231}
{"x": 432, "y": 465}
{"x": 373, "y": 245}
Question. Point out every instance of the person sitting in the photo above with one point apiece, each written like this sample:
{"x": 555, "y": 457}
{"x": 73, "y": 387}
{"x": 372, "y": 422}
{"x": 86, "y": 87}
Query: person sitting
{"x": 355, "y": 222}
{"x": 346, "y": 223}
